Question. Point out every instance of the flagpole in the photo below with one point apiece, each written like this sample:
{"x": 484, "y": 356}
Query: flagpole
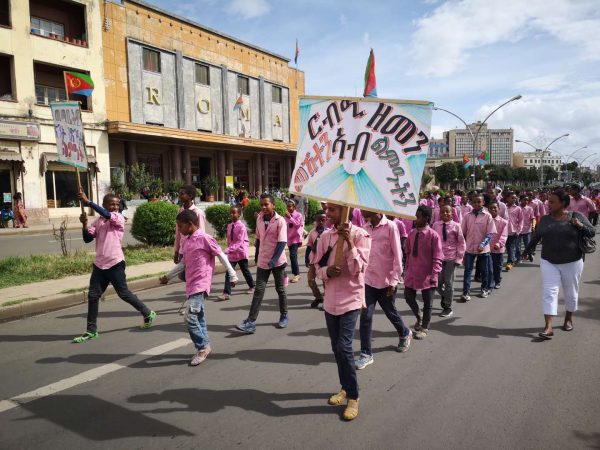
{"x": 79, "y": 188}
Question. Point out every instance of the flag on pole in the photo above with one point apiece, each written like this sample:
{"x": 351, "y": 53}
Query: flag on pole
{"x": 297, "y": 53}
{"x": 466, "y": 162}
{"x": 483, "y": 158}
{"x": 238, "y": 103}
{"x": 370, "y": 81}
{"x": 78, "y": 83}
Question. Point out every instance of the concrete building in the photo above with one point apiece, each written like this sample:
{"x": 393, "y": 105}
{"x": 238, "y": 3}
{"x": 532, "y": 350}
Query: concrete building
{"x": 533, "y": 159}
{"x": 438, "y": 148}
{"x": 497, "y": 142}
{"x": 171, "y": 89}
{"x": 39, "y": 39}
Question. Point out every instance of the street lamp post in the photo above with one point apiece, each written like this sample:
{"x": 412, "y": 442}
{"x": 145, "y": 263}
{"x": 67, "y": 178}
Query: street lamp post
{"x": 474, "y": 137}
{"x": 542, "y": 154}
{"x": 572, "y": 153}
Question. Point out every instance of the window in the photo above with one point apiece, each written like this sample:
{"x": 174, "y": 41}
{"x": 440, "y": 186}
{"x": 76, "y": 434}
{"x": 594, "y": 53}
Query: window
{"x": 241, "y": 174}
{"x": 243, "y": 85}
{"x": 46, "y": 27}
{"x": 6, "y": 77}
{"x": 46, "y": 94}
{"x": 274, "y": 174}
{"x": 50, "y": 86}
{"x": 5, "y": 13}
{"x": 151, "y": 60}
{"x": 61, "y": 188}
{"x": 276, "y": 93}
{"x": 202, "y": 74}
{"x": 153, "y": 164}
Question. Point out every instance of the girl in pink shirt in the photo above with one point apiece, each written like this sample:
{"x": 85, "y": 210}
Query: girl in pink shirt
{"x": 498, "y": 243}
{"x": 295, "y": 223}
{"x": 528, "y": 218}
{"x": 20, "y": 216}
{"x": 237, "y": 252}
{"x": 423, "y": 264}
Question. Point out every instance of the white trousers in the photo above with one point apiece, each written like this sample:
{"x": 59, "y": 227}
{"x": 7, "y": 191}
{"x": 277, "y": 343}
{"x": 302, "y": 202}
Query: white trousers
{"x": 553, "y": 275}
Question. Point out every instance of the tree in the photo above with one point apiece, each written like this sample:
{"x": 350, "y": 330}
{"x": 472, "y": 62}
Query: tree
{"x": 461, "y": 172}
{"x": 480, "y": 173}
{"x": 550, "y": 174}
{"x": 521, "y": 175}
{"x": 446, "y": 173}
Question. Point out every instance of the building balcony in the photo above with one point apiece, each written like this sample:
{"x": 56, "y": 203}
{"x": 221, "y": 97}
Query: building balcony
{"x": 59, "y": 20}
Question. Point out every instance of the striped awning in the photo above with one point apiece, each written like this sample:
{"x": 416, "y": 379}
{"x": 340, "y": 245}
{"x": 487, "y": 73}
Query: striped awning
{"x": 7, "y": 155}
{"x": 48, "y": 157}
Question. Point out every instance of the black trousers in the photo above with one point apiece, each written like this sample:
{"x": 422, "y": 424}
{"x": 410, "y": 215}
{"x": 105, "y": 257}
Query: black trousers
{"x": 99, "y": 282}
{"x": 245, "y": 271}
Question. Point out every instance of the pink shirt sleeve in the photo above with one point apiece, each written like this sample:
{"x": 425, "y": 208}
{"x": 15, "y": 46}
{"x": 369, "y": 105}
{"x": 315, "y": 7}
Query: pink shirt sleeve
{"x": 503, "y": 235}
{"x": 460, "y": 245}
{"x": 397, "y": 254}
{"x": 358, "y": 257}
{"x": 438, "y": 255}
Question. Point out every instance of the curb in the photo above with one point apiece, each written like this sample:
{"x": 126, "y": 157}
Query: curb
{"x": 62, "y": 301}
{"x": 45, "y": 230}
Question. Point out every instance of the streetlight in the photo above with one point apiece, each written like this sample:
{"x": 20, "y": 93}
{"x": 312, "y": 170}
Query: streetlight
{"x": 542, "y": 154}
{"x": 568, "y": 156}
{"x": 474, "y": 137}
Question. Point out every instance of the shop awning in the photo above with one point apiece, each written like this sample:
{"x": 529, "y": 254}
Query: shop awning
{"x": 7, "y": 155}
{"x": 48, "y": 157}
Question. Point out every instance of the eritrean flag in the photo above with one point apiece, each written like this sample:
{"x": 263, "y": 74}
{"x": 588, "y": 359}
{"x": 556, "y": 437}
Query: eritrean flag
{"x": 78, "y": 83}
{"x": 238, "y": 103}
{"x": 483, "y": 158}
{"x": 297, "y": 53}
{"x": 370, "y": 81}
{"x": 466, "y": 161}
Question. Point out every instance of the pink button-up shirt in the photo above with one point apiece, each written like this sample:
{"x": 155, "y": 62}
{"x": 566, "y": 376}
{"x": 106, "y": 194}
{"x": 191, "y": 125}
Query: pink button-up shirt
{"x": 456, "y": 215}
{"x": 313, "y": 237}
{"x": 475, "y": 229}
{"x": 465, "y": 209}
{"x": 402, "y": 228}
{"x": 528, "y": 216}
{"x": 537, "y": 206}
{"x": 583, "y": 205}
{"x": 179, "y": 238}
{"x": 346, "y": 292}
{"x": 422, "y": 270}
{"x": 453, "y": 247}
{"x": 295, "y": 226}
{"x": 515, "y": 220}
{"x": 108, "y": 234}
{"x": 408, "y": 224}
{"x": 199, "y": 251}
{"x": 385, "y": 260}
{"x": 237, "y": 241}
{"x": 502, "y": 210}
{"x": 357, "y": 218}
{"x": 269, "y": 236}
{"x": 500, "y": 236}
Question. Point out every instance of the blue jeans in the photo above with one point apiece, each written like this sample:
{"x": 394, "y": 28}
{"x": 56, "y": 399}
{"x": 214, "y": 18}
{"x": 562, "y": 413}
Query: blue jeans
{"x": 196, "y": 321}
{"x": 511, "y": 248}
{"x": 523, "y": 239}
{"x": 372, "y": 296}
{"x": 294, "y": 258}
{"x": 469, "y": 261}
{"x": 245, "y": 271}
{"x": 497, "y": 267}
{"x": 341, "y": 330}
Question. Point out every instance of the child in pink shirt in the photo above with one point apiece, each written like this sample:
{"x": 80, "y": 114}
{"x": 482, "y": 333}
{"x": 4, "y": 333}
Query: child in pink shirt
{"x": 309, "y": 257}
{"x": 514, "y": 225}
{"x": 453, "y": 249}
{"x": 20, "y": 220}
{"x": 423, "y": 265}
{"x": 344, "y": 298}
{"x": 528, "y": 220}
{"x": 498, "y": 243}
{"x": 109, "y": 267}
{"x": 186, "y": 197}
{"x": 237, "y": 251}
{"x": 295, "y": 223}
{"x": 198, "y": 257}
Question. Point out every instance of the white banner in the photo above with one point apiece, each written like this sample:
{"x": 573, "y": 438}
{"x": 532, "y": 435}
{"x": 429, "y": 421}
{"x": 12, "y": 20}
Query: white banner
{"x": 68, "y": 128}
{"x": 364, "y": 153}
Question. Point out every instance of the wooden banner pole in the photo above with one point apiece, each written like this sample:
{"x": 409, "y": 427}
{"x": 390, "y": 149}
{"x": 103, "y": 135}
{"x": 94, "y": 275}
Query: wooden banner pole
{"x": 79, "y": 188}
{"x": 340, "y": 243}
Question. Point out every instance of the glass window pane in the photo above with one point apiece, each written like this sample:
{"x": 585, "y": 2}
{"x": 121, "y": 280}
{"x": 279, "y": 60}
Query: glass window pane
{"x": 202, "y": 74}
{"x": 244, "y": 85}
{"x": 151, "y": 60}
{"x": 276, "y": 94}
{"x": 62, "y": 94}
{"x": 50, "y": 189}
{"x": 58, "y": 28}
{"x": 66, "y": 189}
{"x": 51, "y": 94}
{"x": 40, "y": 94}
{"x": 35, "y": 23}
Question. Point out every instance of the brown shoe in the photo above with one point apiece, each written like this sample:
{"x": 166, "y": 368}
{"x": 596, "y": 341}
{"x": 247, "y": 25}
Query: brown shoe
{"x": 201, "y": 356}
{"x": 337, "y": 399}
{"x": 295, "y": 279}
{"x": 351, "y": 411}
{"x": 223, "y": 297}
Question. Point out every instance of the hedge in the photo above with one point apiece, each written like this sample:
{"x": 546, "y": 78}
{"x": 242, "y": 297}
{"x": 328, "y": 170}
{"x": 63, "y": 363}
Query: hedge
{"x": 154, "y": 223}
{"x": 219, "y": 217}
{"x": 254, "y": 207}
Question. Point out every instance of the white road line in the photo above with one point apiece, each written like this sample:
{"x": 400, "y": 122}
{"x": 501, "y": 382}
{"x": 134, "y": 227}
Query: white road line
{"x": 84, "y": 377}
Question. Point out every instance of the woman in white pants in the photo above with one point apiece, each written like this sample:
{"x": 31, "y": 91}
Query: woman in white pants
{"x": 562, "y": 259}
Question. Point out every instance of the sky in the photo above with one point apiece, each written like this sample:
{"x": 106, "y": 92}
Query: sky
{"x": 467, "y": 56}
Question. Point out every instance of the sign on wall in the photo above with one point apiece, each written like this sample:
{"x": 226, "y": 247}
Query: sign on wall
{"x": 68, "y": 128}
{"x": 364, "y": 153}
{"x": 26, "y": 131}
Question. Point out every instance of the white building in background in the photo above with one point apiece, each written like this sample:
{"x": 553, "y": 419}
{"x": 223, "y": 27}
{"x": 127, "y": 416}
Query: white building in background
{"x": 497, "y": 142}
{"x": 534, "y": 159}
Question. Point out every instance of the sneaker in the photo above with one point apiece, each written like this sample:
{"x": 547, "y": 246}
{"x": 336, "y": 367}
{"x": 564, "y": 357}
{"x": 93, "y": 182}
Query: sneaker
{"x": 363, "y": 361}
{"x": 250, "y": 291}
{"x": 417, "y": 325}
{"x": 315, "y": 303}
{"x": 484, "y": 293}
{"x": 223, "y": 297}
{"x": 466, "y": 297}
{"x": 247, "y": 326}
{"x": 87, "y": 336}
{"x": 351, "y": 411}
{"x": 508, "y": 267}
{"x": 337, "y": 399}
{"x": 295, "y": 279}
{"x": 447, "y": 312}
{"x": 283, "y": 321}
{"x": 286, "y": 281}
{"x": 148, "y": 320}
{"x": 497, "y": 286}
{"x": 404, "y": 343}
{"x": 421, "y": 334}
{"x": 321, "y": 307}
{"x": 201, "y": 356}
{"x": 530, "y": 258}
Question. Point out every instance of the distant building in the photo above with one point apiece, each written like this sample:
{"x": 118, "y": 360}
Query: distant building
{"x": 497, "y": 142}
{"x": 533, "y": 159}
{"x": 438, "y": 148}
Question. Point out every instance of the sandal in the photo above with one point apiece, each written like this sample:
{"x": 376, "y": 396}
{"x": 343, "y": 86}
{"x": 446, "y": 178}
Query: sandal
{"x": 546, "y": 336}
{"x": 567, "y": 326}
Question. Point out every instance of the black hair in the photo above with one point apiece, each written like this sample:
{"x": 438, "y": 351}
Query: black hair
{"x": 238, "y": 208}
{"x": 189, "y": 189}
{"x": 268, "y": 197}
{"x": 108, "y": 197}
{"x": 187, "y": 216}
{"x": 576, "y": 187}
{"x": 18, "y": 196}
{"x": 320, "y": 212}
{"x": 487, "y": 198}
{"x": 523, "y": 197}
{"x": 425, "y": 212}
{"x": 492, "y": 203}
{"x": 563, "y": 197}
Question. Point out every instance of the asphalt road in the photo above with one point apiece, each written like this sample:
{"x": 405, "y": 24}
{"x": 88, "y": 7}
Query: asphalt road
{"x": 480, "y": 380}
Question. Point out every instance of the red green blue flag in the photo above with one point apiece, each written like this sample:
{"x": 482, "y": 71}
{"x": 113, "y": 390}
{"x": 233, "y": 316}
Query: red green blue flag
{"x": 78, "y": 83}
{"x": 297, "y": 53}
{"x": 483, "y": 158}
{"x": 466, "y": 161}
{"x": 370, "y": 81}
{"x": 238, "y": 103}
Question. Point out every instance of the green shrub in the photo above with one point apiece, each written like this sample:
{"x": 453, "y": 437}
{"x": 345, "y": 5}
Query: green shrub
{"x": 313, "y": 207}
{"x": 219, "y": 216}
{"x": 154, "y": 223}
{"x": 254, "y": 207}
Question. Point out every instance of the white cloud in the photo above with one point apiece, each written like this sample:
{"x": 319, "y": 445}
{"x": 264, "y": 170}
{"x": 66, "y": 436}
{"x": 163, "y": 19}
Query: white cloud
{"x": 249, "y": 9}
{"x": 446, "y": 37}
{"x": 543, "y": 83}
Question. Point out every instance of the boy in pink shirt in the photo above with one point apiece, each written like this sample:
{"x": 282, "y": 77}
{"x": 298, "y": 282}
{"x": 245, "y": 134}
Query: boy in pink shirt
{"x": 498, "y": 243}
{"x": 478, "y": 228}
{"x": 186, "y": 197}
{"x": 295, "y": 223}
{"x": 109, "y": 267}
{"x": 344, "y": 298}
{"x": 309, "y": 256}
{"x": 423, "y": 265}
{"x": 514, "y": 225}
{"x": 271, "y": 239}
{"x": 237, "y": 252}
{"x": 465, "y": 207}
{"x": 528, "y": 219}
{"x": 198, "y": 257}
{"x": 381, "y": 280}
{"x": 453, "y": 248}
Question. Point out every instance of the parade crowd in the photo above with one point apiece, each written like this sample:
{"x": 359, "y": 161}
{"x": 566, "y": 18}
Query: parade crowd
{"x": 487, "y": 233}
